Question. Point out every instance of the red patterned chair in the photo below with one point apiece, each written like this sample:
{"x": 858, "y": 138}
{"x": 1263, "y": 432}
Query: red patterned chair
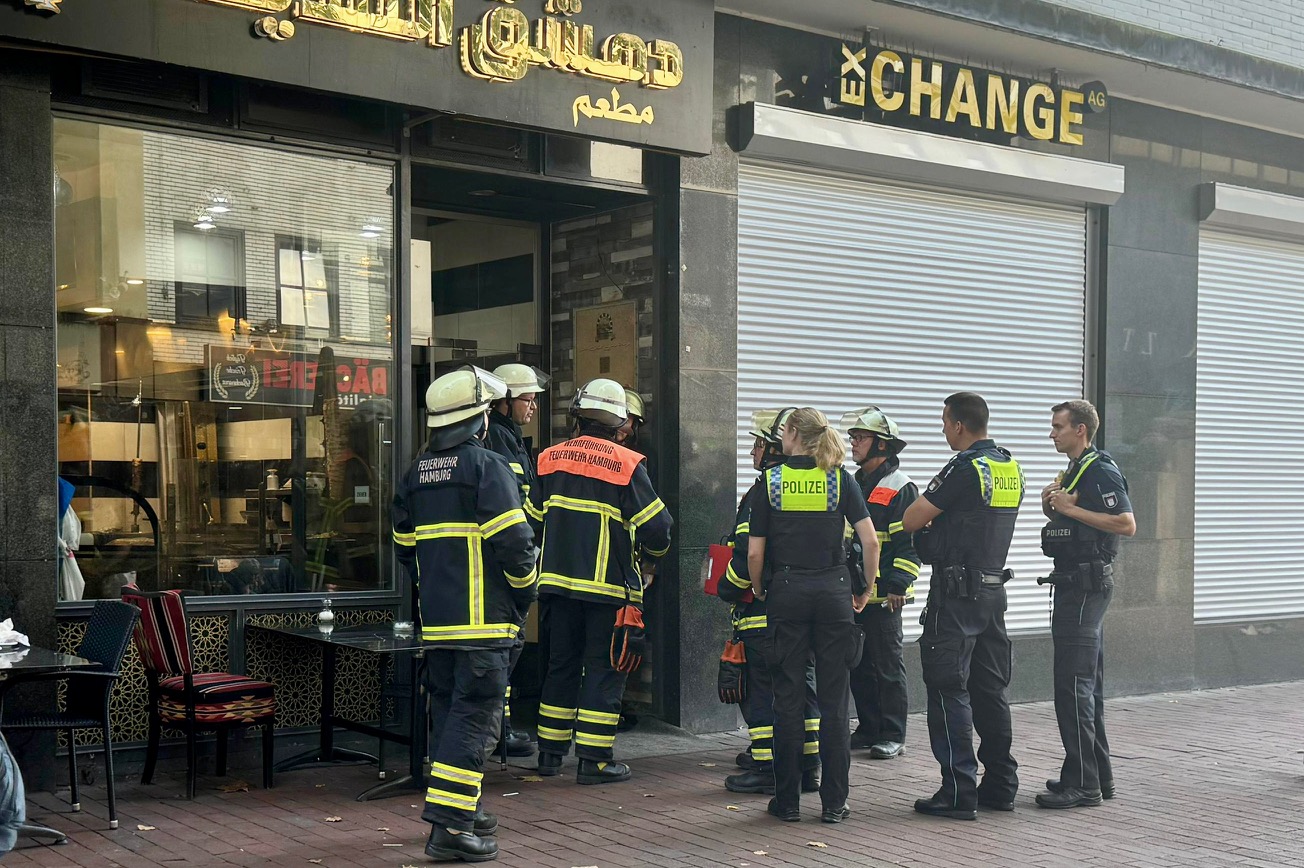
{"x": 188, "y": 700}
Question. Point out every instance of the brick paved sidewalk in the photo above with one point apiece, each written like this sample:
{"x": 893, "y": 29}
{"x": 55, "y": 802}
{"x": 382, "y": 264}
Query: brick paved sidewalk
{"x": 1208, "y": 779}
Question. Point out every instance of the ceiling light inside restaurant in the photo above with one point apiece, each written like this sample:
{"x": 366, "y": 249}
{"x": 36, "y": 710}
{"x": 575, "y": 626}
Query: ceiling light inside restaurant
{"x": 135, "y": 281}
{"x": 219, "y": 201}
{"x": 372, "y": 228}
{"x": 204, "y": 221}
{"x": 99, "y": 311}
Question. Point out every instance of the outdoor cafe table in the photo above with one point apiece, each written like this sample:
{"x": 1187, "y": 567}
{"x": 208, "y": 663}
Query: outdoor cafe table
{"x": 381, "y": 642}
{"x": 37, "y": 663}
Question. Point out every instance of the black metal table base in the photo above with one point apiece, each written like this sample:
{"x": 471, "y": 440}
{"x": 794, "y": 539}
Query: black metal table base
{"x": 325, "y": 756}
{"x": 405, "y": 784}
{"x": 31, "y": 830}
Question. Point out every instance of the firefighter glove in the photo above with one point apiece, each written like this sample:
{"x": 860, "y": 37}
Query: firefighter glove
{"x": 733, "y": 673}
{"x": 628, "y": 640}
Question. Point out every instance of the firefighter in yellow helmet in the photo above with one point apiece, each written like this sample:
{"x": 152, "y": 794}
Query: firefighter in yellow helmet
{"x": 750, "y": 625}
{"x": 508, "y": 414}
{"x": 596, "y": 510}
{"x": 459, "y": 525}
{"x": 878, "y": 684}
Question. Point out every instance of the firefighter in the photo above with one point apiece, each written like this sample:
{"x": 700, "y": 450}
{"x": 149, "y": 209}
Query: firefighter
{"x": 508, "y": 414}
{"x": 796, "y": 560}
{"x": 878, "y": 684}
{"x": 1089, "y": 509}
{"x": 459, "y": 526}
{"x": 637, "y": 416}
{"x": 750, "y": 627}
{"x": 972, "y": 506}
{"x": 603, "y": 529}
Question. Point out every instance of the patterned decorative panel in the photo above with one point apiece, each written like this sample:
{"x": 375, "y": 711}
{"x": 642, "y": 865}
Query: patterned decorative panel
{"x": 294, "y": 667}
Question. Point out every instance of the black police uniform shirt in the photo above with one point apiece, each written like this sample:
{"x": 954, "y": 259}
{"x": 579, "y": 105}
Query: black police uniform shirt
{"x": 821, "y": 545}
{"x": 957, "y": 491}
{"x": 506, "y": 439}
{"x": 1101, "y": 487}
{"x": 462, "y": 534}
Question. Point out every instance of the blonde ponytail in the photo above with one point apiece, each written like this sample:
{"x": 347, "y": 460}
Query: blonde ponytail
{"x": 817, "y": 437}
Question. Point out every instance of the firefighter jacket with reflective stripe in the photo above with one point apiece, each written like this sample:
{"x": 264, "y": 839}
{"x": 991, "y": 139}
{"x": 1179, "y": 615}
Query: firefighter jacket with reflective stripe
{"x": 505, "y": 438}
{"x": 594, "y": 507}
{"x": 889, "y": 493}
{"x": 747, "y": 617}
{"x": 463, "y": 536}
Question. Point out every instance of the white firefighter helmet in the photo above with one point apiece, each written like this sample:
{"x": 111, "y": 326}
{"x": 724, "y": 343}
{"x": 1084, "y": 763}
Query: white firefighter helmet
{"x": 634, "y": 403}
{"x": 602, "y": 401}
{"x": 765, "y": 425}
{"x": 522, "y": 379}
{"x": 461, "y": 395}
{"x": 876, "y": 422}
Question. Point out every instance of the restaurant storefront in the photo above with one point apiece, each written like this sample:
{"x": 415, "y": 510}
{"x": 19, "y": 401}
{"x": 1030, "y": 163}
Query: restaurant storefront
{"x": 269, "y": 226}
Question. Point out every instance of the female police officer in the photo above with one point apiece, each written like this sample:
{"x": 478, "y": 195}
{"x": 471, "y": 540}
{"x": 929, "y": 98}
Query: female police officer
{"x": 796, "y": 555}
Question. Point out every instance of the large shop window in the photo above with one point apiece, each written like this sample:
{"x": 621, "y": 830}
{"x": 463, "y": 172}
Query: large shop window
{"x": 853, "y": 291}
{"x": 224, "y": 352}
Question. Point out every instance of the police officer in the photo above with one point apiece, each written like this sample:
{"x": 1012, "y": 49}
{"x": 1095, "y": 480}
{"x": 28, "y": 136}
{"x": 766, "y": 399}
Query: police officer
{"x": 458, "y": 524}
{"x": 508, "y": 414}
{"x": 878, "y": 684}
{"x": 595, "y": 505}
{"x": 796, "y": 544}
{"x": 1089, "y": 510}
{"x": 751, "y": 628}
{"x": 972, "y": 505}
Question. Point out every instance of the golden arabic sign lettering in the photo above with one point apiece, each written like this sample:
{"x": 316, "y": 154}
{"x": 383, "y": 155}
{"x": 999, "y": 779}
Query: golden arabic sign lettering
{"x": 611, "y": 110}
{"x": 501, "y": 46}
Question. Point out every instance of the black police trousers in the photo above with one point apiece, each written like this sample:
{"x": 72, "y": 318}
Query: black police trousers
{"x": 809, "y": 614}
{"x": 1080, "y": 684}
{"x": 466, "y": 694}
{"x": 581, "y": 692}
{"x": 878, "y": 684}
{"x": 965, "y": 653}
{"x": 758, "y": 705}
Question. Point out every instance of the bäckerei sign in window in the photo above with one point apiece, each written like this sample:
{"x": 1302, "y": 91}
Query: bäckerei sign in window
{"x": 636, "y": 73}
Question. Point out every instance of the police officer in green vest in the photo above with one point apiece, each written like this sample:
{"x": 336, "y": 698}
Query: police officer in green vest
{"x": 796, "y": 561}
{"x": 1089, "y": 510}
{"x": 969, "y": 510}
{"x": 878, "y": 684}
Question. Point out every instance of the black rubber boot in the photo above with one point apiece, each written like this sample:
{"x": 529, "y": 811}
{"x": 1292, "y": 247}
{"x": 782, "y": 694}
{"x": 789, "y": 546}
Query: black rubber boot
{"x": 549, "y": 764}
{"x": 444, "y": 846}
{"x": 810, "y": 781}
{"x": 591, "y": 772}
{"x": 754, "y": 781}
{"x": 485, "y": 824}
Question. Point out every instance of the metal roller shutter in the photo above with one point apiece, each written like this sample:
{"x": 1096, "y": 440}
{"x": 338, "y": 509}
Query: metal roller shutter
{"x": 1249, "y": 428}
{"x": 853, "y": 291}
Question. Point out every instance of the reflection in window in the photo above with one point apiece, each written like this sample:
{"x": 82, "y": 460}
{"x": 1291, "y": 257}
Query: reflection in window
{"x": 224, "y": 362}
{"x": 209, "y": 274}
{"x": 306, "y": 299}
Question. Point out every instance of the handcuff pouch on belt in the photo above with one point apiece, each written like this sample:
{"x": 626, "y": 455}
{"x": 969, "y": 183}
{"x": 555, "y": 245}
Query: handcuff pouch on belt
{"x": 959, "y": 582}
{"x": 1090, "y": 576}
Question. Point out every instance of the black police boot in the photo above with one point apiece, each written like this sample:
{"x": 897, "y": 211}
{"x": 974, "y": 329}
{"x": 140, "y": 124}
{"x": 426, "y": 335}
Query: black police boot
{"x": 940, "y": 806}
{"x": 789, "y": 816}
{"x": 485, "y": 824}
{"x": 994, "y": 803}
{"x": 591, "y": 772}
{"x": 518, "y": 744}
{"x": 886, "y": 750}
{"x": 444, "y": 846}
{"x": 744, "y": 760}
{"x": 861, "y": 738}
{"x": 549, "y": 764}
{"x": 1069, "y": 797}
{"x": 1106, "y": 787}
{"x": 754, "y": 781}
{"x": 810, "y": 781}
{"x": 835, "y": 815}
